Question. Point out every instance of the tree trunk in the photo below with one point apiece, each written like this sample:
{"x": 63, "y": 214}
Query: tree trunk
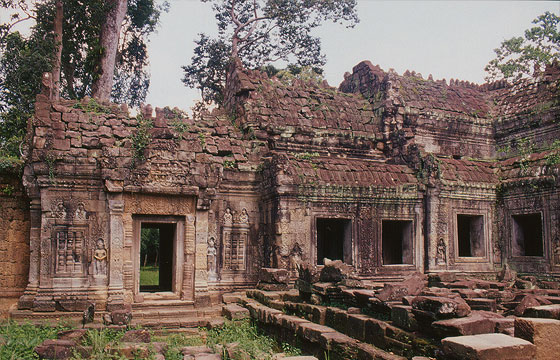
{"x": 58, "y": 18}
{"x": 109, "y": 40}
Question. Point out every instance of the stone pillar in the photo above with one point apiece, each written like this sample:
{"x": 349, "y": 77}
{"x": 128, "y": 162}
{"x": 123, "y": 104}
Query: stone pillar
{"x": 201, "y": 256}
{"x": 116, "y": 248}
{"x": 431, "y": 220}
{"x": 187, "y": 292}
{"x": 26, "y": 300}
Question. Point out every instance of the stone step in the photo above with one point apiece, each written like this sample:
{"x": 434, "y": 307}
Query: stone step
{"x": 487, "y": 347}
{"x": 158, "y": 304}
{"x": 176, "y": 312}
{"x": 175, "y": 323}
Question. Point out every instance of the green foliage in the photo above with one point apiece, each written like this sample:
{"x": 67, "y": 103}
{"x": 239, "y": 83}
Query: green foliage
{"x": 23, "y": 60}
{"x": 149, "y": 275}
{"x": 22, "y": 63}
{"x": 229, "y": 164}
{"x": 141, "y": 138}
{"x": 149, "y": 245}
{"x": 256, "y": 345}
{"x": 175, "y": 342}
{"x": 101, "y": 342}
{"x": 262, "y": 32}
{"x": 92, "y": 106}
{"x": 306, "y": 155}
{"x": 8, "y": 190}
{"x": 518, "y": 56}
{"x": 19, "y": 340}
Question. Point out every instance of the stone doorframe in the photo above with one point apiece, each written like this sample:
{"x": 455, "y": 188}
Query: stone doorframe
{"x": 178, "y": 251}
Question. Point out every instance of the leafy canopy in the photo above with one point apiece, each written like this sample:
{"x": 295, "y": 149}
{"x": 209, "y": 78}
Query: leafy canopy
{"x": 24, "y": 59}
{"x": 261, "y": 32}
{"x": 518, "y": 56}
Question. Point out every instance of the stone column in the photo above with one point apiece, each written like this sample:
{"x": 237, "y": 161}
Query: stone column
{"x": 201, "y": 258}
{"x": 116, "y": 248}
{"x": 431, "y": 220}
{"x": 187, "y": 292}
{"x": 26, "y": 300}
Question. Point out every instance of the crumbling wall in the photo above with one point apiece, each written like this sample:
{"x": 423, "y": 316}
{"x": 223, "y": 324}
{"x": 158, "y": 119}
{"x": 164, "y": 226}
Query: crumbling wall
{"x": 14, "y": 233}
{"x": 425, "y": 115}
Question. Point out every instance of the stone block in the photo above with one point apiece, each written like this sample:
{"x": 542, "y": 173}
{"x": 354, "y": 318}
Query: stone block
{"x": 235, "y": 312}
{"x": 482, "y": 304}
{"x": 544, "y": 311}
{"x": 356, "y": 326}
{"x": 544, "y": 333}
{"x": 442, "y": 307}
{"x": 55, "y": 349}
{"x": 470, "y": 325}
{"x": 375, "y": 331}
{"x": 487, "y": 347}
{"x": 140, "y": 335}
{"x": 121, "y": 317}
{"x": 402, "y": 316}
{"x": 312, "y": 332}
{"x": 411, "y": 285}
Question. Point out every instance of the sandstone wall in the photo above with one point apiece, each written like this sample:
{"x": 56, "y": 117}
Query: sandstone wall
{"x": 14, "y": 235}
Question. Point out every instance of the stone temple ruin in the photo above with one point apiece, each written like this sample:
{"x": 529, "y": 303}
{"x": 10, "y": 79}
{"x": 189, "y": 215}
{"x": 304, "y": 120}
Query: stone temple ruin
{"x": 391, "y": 174}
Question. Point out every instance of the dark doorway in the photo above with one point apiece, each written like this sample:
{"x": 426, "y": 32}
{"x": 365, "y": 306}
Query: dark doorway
{"x": 396, "y": 239}
{"x": 156, "y": 256}
{"x": 527, "y": 235}
{"x": 470, "y": 235}
{"x": 334, "y": 240}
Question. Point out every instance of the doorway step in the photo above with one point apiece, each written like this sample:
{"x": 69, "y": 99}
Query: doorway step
{"x": 173, "y": 314}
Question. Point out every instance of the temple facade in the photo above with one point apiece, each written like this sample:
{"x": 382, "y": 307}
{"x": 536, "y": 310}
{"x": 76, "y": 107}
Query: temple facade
{"x": 391, "y": 174}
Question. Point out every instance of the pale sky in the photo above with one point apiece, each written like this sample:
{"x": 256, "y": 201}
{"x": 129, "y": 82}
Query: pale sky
{"x": 448, "y": 39}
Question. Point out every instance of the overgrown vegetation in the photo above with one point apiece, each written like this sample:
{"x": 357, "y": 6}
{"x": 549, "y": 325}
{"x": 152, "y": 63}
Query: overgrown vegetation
{"x": 141, "y": 138}
{"x": 18, "y": 341}
{"x": 251, "y": 342}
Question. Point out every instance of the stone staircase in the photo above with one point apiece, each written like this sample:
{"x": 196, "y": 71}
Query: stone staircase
{"x": 173, "y": 314}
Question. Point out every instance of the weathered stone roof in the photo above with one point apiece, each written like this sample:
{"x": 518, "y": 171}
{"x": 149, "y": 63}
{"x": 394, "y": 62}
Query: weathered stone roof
{"x": 467, "y": 171}
{"x": 343, "y": 171}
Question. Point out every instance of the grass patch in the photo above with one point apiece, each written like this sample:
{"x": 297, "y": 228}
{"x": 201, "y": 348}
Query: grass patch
{"x": 252, "y": 342}
{"x": 17, "y": 341}
{"x": 149, "y": 275}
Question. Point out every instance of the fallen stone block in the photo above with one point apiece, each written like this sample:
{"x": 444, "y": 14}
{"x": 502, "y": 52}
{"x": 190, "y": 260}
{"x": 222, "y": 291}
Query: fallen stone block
{"x": 544, "y": 333}
{"x": 470, "y": 325}
{"x": 274, "y": 276}
{"x": 55, "y": 349}
{"x": 334, "y": 271}
{"x": 140, "y": 335}
{"x": 442, "y": 307}
{"x": 543, "y": 311}
{"x": 370, "y": 352}
{"x": 487, "y": 347}
{"x": 193, "y": 350}
{"x": 482, "y": 304}
{"x": 235, "y": 312}
{"x": 121, "y": 317}
{"x": 529, "y": 301}
{"x": 411, "y": 285}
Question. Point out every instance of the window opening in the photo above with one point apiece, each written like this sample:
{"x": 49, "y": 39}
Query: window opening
{"x": 527, "y": 235}
{"x": 396, "y": 239}
{"x": 470, "y": 235}
{"x": 334, "y": 240}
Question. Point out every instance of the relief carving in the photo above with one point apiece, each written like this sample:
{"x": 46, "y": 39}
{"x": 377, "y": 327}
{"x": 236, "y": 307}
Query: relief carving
{"x": 59, "y": 210}
{"x": 100, "y": 259}
{"x": 441, "y": 252}
{"x": 211, "y": 259}
{"x": 80, "y": 213}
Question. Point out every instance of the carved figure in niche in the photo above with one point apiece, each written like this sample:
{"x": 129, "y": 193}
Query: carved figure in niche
{"x": 557, "y": 251}
{"x": 59, "y": 211}
{"x": 228, "y": 217}
{"x": 244, "y": 217}
{"x": 295, "y": 257}
{"x": 81, "y": 213}
{"x": 100, "y": 258}
{"x": 211, "y": 256}
{"x": 441, "y": 256}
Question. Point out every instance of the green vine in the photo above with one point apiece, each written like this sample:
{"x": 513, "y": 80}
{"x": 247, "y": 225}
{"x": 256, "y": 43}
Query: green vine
{"x": 141, "y": 138}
